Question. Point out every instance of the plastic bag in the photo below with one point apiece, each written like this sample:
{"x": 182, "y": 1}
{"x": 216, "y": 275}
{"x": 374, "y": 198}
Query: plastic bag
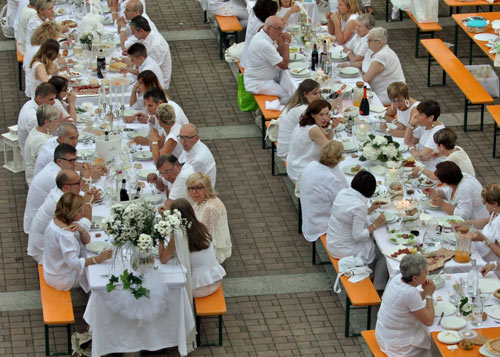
{"x": 246, "y": 101}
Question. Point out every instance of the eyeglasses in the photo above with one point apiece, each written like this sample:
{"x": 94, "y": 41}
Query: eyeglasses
{"x": 196, "y": 188}
{"x": 75, "y": 183}
{"x": 185, "y": 137}
{"x": 168, "y": 171}
{"x": 279, "y": 29}
{"x": 370, "y": 40}
{"x": 71, "y": 161}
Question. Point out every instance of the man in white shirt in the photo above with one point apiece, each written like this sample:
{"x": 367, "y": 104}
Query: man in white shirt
{"x": 26, "y": 13}
{"x": 131, "y": 9}
{"x": 268, "y": 53}
{"x": 45, "y": 11}
{"x": 156, "y": 45}
{"x": 64, "y": 158}
{"x": 175, "y": 174}
{"x": 196, "y": 153}
{"x": 48, "y": 119}
{"x": 138, "y": 55}
{"x": 45, "y": 93}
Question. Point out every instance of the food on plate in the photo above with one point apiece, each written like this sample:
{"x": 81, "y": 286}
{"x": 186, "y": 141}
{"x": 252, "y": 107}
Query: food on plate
{"x": 141, "y": 184}
{"x": 69, "y": 23}
{"x": 98, "y": 235}
{"x": 493, "y": 345}
{"x": 463, "y": 229}
{"x": 411, "y": 211}
{"x": 497, "y": 293}
{"x": 410, "y": 192}
{"x": 408, "y": 236}
{"x": 396, "y": 187}
{"x": 410, "y": 162}
{"x": 86, "y": 89}
{"x": 61, "y": 11}
{"x": 439, "y": 298}
{"x": 403, "y": 251}
{"x": 424, "y": 181}
{"x": 354, "y": 156}
{"x": 480, "y": 339}
{"x": 137, "y": 166}
{"x": 117, "y": 66}
{"x": 65, "y": 52}
{"x": 436, "y": 259}
{"x": 99, "y": 161}
{"x": 355, "y": 169}
{"x": 106, "y": 82}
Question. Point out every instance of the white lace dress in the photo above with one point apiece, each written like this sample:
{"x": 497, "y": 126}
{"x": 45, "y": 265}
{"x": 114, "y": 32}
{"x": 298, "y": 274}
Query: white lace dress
{"x": 212, "y": 213}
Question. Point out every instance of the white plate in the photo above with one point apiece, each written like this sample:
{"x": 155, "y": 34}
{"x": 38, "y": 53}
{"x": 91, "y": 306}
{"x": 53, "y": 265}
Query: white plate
{"x": 143, "y": 155}
{"x": 393, "y": 250}
{"x": 337, "y": 86}
{"x": 395, "y": 238}
{"x": 424, "y": 183}
{"x": 449, "y": 238}
{"x": 129, "y": 112}
{"x": 83, "y": 136}
{"x": 338, "y": 56}
{"x": 453, "y": 323}
{"x": 484, "y": 351}
{"x": 297, "y": 57}
{"x": 444, "y": 306}
{"x": 348, "y": 170}
{"x": 349, "y": 71}
{"x": 390, "y": 217}
{"x": 493, "y": 311}
{"x": 488, "y": 285}
{"x": 85, "y": 153}
{"x": 429, "y": 205}
{"x": 70, "y": 52}
{"x": 300, "y": 72}
{"x": 153, "y": 198}
{"x": 403, "y": 148}
{"x": 143, "y": 174}
{"x": 96, "y": 221}
{"x": 340, "y": 127}
{"x": 444, "y": 221}
{"x": 485, "y": 37}
{"x": 136, "y": 133}
{"x": 377, "y": 108}
{"x": 349, "y": 146}
{"x": 448, "y": 337}
{"x": 389, "y": 125}
{"x": 98, "y": 247}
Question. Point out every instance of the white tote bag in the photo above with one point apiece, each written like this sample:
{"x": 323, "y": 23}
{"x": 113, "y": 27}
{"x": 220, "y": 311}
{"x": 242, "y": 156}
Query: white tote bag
{"x": 425, "y": 10}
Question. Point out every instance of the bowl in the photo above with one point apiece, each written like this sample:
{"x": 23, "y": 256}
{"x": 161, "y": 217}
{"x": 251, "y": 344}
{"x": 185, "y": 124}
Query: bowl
{"x": 476, "y": 26}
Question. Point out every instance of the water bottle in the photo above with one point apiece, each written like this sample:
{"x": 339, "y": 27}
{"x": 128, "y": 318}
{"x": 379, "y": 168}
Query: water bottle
{"x": 477, "y": 311}
{"x": 472, "y": 280}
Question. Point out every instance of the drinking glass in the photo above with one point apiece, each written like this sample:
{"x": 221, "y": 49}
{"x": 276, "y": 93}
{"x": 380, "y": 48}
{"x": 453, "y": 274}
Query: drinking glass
{"x": 477, "y": 312}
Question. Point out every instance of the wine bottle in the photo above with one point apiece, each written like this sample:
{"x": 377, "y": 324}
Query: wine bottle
{"x": 364, "y": 106}
{"x": 106, "y": 136}
{"x": 101, "y": 64}
{"x": 137, "y": 193}
{"x": 314, "y": 58}
{"x": 123, "y": 191}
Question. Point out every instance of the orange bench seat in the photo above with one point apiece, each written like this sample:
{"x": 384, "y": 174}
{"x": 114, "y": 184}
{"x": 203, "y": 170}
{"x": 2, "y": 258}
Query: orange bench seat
{"x": 371, "y": 341}
{"x": 494, "y": 110}
{"x": 227, "y": 25}
{"x": 210, "y": 306}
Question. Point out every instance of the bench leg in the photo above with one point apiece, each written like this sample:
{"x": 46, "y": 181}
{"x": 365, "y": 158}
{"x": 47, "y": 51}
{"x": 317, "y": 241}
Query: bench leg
{"x": 323, "y": 262}
{"x": 220, "y": 330}
{"x": 47, "y": 342}
{"x": 369, "y": 318}
{"x": 466, "y": 111}
{"x": 455, "y": 50}
{"x": 495, "y": 140}
{"x": 198, "y": 331}
{"x": 273, "y": 160}
{"x": 300, "y": 218}
{"x": 68, "y": 340}
{"x": 222, "y": 36}
{"x": 263, "y": 134}
{"x": 417, "y": 42}
{"x": 20, "y": 72}
{"x": 470, "y": 51}
{"x": 205, "y": 17}
{"x": 482, "y": 118}
{"x": 429, "y": 84}
{"x": 68, "y": 332}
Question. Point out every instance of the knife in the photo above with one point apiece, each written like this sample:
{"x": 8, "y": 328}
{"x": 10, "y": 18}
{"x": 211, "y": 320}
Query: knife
{"x": 440, "y": 318}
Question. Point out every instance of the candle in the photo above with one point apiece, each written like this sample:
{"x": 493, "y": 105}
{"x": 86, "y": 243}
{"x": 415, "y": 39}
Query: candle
{"x": 99, "y": 98}
{"x": 110, "y": 95}
{"x": 123, "y": 95}
{"x": 103, "y": 93}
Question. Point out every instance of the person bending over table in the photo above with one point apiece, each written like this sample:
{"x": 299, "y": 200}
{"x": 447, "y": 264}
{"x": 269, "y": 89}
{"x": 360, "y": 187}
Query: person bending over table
{"x": 462, "y": 196}
{"x": 348, "y": 232}
{"x": 63, "y": 263}
{"x": 419, "y": 133}
{"x": 405, "y": 310}
{"x": 165, "y": 141}
{"x": 46, "y": 31}
{"x": 445, "y": 140}
{"x": 206, "y": 272}
{"x": 307, "y": 92}
{"x": 41, "y": 67}
{"x": 65, "y": 100}
{"x": 210, "y": 211}
{"x": 268, "y": 54}
{"x": 145, "y": 80}
{"x": 320, "y": 183}
{"x": 138, "y": 55}
{"x": 308, "y": 136}
{"x": 403, "y": 108}
{"x": 288, "y": 12}
{"x": 357, "y": 46}
{"x": 342, "y": 24}
{"x": 381, "y": 65}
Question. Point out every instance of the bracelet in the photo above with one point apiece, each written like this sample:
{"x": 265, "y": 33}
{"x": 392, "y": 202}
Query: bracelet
{"x": 429, "y": 297}
{"x": 154, "y": 143}
{"x": 412, "y": 127}
{"x": 87, "y": 180}
{"x": 123, "y": 29}
{"x": 495, "y": 264}
{"x": 487, "y": 243}
{"x": 93, "y": 260}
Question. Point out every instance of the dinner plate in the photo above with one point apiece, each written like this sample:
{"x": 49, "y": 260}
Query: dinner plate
{"x": 129, "y": 112}
{"x": 403, "y": 148}
{"x": 136, "y": 133}
{"x": 337, "y": 86}
{"x": 493, "y": 311}
{"x": 429, "y": 205}
{"x": 384, "y": 200}
{"x": 96, "y": 222}
{"x": 300, "y": 72}
{"x": 85, "y": 154}
{"x": 377, "y": 108}
{"x": 444, "y": 307}
{"x": 349, "y": 146}
{"x": 425, "y": 182}
{"x": 392, "y": 250}
{"x": 488, "y": 285}
{"x": 297, "y": 57}
{"x": 153, "y": 198}
{"x": 349, "y": 71}
{"x": 449, "y": 238}
{"x": 84, "y": 136}
{"x": 351, "y": 169}
{"x": 340, "y": 127}
{"x": 398, "y": 238}
{"x": 98, "y": 246}
{"x": 390, "y": 217}
{"x": 446, "y": 221}
{"x": 485, "y": 352}
{"x": 453, "y": 323}
{"x": 448, "y": 337}
{"x": 389, "y": 125}
{"x": 338, "y": 56}
{"x": 143, "y": 174}
{"x": 485, "y": 36}
{"x": 143, "y": 155}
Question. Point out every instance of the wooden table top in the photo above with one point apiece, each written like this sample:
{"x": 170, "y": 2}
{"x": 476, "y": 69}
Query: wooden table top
{"x": 459, "y": 3}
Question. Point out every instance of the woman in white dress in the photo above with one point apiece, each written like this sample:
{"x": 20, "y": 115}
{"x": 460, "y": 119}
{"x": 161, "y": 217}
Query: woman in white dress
{"x": 63, "y": 263}
{"x": 348, "y": 230}
{"x": 342, "y": 24}
{"x": 145, "y": 80}
{"x": 357, "y": 46}
{"x": 65, "y": 100}
{"x": 42, "y": 66}
{"x": 308, "y": 137}
{"x": 210, "y": 211}
{"x": 206, "y": 272}
{"x": 402, "y": 109}
{"x": 46, "y": 31}
{"x": 166, "y": 141}
{"x": 462, "y": 194}
{"x": 307, "y": 92}
{"x": 405, "y": 310}
{"x": 288, "y": 12}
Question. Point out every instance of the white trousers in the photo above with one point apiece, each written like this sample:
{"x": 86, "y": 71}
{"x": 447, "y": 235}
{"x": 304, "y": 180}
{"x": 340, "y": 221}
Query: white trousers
{"x": 269, "y": 87}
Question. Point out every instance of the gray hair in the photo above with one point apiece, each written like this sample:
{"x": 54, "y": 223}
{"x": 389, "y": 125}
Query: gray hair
{"x": 412, "y": 265}
{"x": 270, "y": 21}
{"x": 378, "y": 34}
{"x": 63, "y": 128}
{"x": 367, "y": 19}
{"x": 46, "y": 112}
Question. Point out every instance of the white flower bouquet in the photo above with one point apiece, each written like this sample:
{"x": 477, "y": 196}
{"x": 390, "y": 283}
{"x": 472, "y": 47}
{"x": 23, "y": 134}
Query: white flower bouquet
{"x": 380, "y": 148}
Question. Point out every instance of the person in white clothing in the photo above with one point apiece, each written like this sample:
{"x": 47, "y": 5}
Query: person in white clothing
{"x": 268, "y": 54}
{"x": 236, "y": 8}
{"x": 48, "y": 119}
{"x": 156, "y": 45}
{"x": 206, "y": 272}
{"x": 462, "y": 194}
{"x": 145, "y": 81}
{"x": 66, "y": 181}
{"x": 405, "y": 310}
{"x": 349, "y": 233}
{"x": 320, "y": 183}
{"x": 210, "y": 211}
{"x": 196, "y": 153}
{"x": 131, "y": 9}
{"x": 308, "y": 137}
{"x": 65, "y": 100}
{"x": 173, "y": 176}
{"x": 25, "y": 15}
{"x": 307, "y": 92}
{"x": 42, "y": 66}
{"x": 342, "y": 24}
{"x": 403, "y": 108}
{"x": 357, "y": 46}
{"x": 138, "y": 55}
{"x": 10, "y": 16}
{"x": 44, "y": 94}
{"x": 44, "y": 11}
{"x": 63, "y": 261}
{"x": 64, "y": 158}
{"x": 166, "y": 140}
{"x": 288, "y": 12}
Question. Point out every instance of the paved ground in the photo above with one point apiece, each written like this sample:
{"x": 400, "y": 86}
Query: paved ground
{"x": 278, "y": 303}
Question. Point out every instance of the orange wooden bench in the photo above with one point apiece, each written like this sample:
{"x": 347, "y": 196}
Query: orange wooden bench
{"x": 371, "y": 341}
{"x": 242, "y": 70}
{"x": 423, "y": 29}
{"x": 57, "y": 309}
{"x": 265, "y": 113}
{"x": 20, "y": 60}
{"x": 361, "y": 295}
{"x": 495, "y": 113}
{"x": 210, "y": 306}
{"x": 227, "y": 25}
{"x": 475, "y": 94}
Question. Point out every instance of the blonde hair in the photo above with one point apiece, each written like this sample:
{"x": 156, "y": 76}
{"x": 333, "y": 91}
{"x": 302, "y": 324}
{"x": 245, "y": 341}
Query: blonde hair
{"x": 46, "y": 54}
{"x": 397, "y": 89}
{"x": 199, "y": 178}
{"x": 68, "y": 207}
{"x": 491, "y": 193}
{"x": 46, "y": 112}
{"x": 331, "y": 153}
{"x": 47, "y": 30}
{"x": 166, "y": 114}
{"x": 353, "y": 8}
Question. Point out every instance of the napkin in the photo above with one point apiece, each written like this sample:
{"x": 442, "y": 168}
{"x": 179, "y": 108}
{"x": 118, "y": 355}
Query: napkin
{"x": 274, "y": 105}
{"x": 490, "y": 1}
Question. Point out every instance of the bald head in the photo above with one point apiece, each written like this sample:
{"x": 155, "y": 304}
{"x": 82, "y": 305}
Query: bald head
{"x": 274, "y": 27}
{"x": 68, "y": 180}
{"x": 133, "y": 8}
{"x": 188, "y": 136}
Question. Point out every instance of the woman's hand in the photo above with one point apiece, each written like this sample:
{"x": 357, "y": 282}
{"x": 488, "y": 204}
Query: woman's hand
{"x": 479, "y": 237}
{"x": 415, "y": 172}
{"x": 380, "y": 221}
{"x": 429, "y": 191}
{"x": 142, "y": 117}
{"x": 487, "y": 268}
{"x": 436, "y": 200}
{"x": 75, "y": 227}
{"x": 105, "y": 255}
{"x": 343, "y": 65}
{"x": 154, "y": 136}
{"x": 71, "y": 98}
{"x": 374, "y": 206}
{"x": 429, "y": 287}
{"x": 294, "y": 9}
{"x": 334, "y": 16}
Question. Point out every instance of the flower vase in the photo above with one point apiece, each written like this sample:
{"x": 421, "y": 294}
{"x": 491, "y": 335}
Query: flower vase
{"x": 142, "y": 261}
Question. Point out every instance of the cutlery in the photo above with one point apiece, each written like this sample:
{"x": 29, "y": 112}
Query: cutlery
{"x": 440, "y": 318}
{"x": 301, "y": 70}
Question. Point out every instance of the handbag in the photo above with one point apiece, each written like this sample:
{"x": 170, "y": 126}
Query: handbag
{"x": 8, "y": 31}
{"x": 246, "y": 101}
{"x": 425, "y": 11}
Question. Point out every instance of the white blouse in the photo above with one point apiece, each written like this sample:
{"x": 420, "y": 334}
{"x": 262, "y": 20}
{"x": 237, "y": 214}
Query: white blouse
{"x": 492, "y": 232}
{"x": 319, "y": 186}
{"x": 302, "y": 151}
{"x": 404, "y": 116}
{"x": 205, "y": 270}
{"x": 467, "y": 199}
{"x": 289, "y": 120}
{"x": 253, "y": 26}
{"x": 462, "y": 160}
{"x": 63, "y": 265}
{"x": 358, "y": 45}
